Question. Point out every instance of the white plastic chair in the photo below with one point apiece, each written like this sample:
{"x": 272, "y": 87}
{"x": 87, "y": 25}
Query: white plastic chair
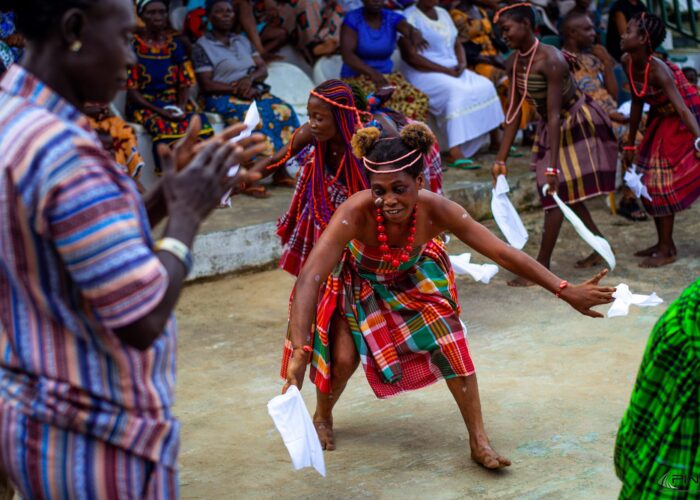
{"x": 177, "y": 18}
{"x": 290, "y": 84}
{"x": 327, "y": 68}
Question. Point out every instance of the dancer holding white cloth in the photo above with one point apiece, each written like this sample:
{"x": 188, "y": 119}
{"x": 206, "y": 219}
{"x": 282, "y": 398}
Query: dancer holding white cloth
{"x": 465, "y": 104}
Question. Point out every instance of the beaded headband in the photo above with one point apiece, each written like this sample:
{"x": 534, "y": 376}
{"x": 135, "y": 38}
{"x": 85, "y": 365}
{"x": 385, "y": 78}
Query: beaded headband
{"x": 509, "y": 7}
{"x": 352, "y": 109}
{"x": 367, "y": 163}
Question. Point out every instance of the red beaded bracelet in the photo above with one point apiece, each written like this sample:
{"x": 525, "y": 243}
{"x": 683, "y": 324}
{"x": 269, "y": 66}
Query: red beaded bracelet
{"x": 551, "y": 171}
{"x": 629, "y": 148}
{"x": 562, "y": 285}
{"x": 305, "y": 348}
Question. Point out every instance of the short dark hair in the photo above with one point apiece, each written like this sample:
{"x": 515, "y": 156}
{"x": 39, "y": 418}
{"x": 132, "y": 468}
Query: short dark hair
{"x": 35, "y": 18}
{"x": 570, "y": 18}
{"x": 520, "y": 14}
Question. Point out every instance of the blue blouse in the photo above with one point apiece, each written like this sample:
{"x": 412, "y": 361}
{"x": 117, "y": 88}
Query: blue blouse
{"x": 374, "y": 46}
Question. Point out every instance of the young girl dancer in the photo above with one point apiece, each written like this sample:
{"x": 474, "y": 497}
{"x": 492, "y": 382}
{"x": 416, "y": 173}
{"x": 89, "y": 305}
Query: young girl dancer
{"x": 575, "y": 151}
{"x": 379, "y": 288}
{"x": 668, "y": 153}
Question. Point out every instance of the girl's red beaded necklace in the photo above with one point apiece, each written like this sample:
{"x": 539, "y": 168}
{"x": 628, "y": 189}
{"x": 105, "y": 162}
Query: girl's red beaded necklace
{"x": 384, "y": 239}
{"x": 646, "y": 79}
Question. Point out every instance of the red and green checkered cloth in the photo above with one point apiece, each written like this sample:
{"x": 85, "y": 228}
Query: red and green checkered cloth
{"x": 657, "y": 453}
{"x": 405, "y": 322}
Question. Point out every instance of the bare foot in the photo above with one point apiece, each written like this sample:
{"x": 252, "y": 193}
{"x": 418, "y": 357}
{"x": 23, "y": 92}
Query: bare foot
{"x": 324, "y": 429}
{"x": 592, "y": 260}
{"x": 487, "y": 457}
{"x": 520, "y": 282}
{"x": 658, "y": 259}
{"x": 648, "y": 252}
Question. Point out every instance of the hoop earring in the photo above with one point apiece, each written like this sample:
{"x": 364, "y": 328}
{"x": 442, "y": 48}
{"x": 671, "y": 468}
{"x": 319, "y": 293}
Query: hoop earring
{"x": 76, "y": 46}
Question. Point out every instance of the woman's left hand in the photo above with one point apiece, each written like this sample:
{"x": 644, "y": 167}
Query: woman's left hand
{"x": 587, "y": 295}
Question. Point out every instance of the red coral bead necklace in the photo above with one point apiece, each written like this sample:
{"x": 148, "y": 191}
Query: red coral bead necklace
{"x": 383, "y": 239}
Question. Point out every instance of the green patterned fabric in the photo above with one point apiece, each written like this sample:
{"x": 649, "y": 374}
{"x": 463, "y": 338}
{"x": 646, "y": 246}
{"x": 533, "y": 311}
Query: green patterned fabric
{"x": 657, "y": 453}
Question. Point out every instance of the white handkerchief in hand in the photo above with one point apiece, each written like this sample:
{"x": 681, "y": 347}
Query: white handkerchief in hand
{"x": 634, "y": 182}
{"x": 597, "y": 243}
{"x": 506, "y": 216}
{"x": 480, "y": 272}
{"x": 624, "y": 298}
{"x": 293, "y": 422}
{"x": 252, "y": 119}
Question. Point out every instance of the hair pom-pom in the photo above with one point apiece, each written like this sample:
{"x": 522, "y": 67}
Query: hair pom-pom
{"x": 364, "y": 140}
{"x": 418, "y": 136}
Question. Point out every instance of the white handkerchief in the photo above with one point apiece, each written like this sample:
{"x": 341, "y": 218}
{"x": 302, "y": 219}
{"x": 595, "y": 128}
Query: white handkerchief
{"x": 634, "y": 182}
{"x": 626, "y": 108}
{"x": 252, "y": 119}
{"x": 293, "y": 422}
{"x": 506, "y": 216}
{"x": 624, "y": 298}
{"x": 480, "y": 272}
{"x": 598, "y": 243}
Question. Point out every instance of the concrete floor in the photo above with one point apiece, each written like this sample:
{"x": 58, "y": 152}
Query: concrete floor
{"x": 554, "y": 386}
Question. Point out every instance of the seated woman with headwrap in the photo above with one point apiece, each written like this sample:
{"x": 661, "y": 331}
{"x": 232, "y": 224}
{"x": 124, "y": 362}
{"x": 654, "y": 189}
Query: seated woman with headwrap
{"x": 231, "y": 76}
{"x": 160, "y": 81}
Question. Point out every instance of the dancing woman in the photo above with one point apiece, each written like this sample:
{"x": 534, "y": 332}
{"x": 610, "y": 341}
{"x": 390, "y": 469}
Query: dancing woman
{"x": 668, "y": 153}
{"x": 329, "y": 174}
{"x": 379, "y": 288}
{"x": 575, "y": 151}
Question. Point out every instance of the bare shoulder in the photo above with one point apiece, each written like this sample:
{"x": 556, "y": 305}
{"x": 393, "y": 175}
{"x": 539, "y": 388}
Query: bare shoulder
{"x": 510, "y": 61}
{"x": 439, "y": 208}
{"x": 356, "y": 208}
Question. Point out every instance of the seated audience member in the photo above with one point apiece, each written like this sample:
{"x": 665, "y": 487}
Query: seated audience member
{"x": 621, "y": 11}
{"x": 691, "y": 75}
{"x": 465, "y": 103}
{"x": 312, "y": 26}
{"x": 160, "y": 82}
{"x": 367, "y": 41}
{"x": 196, "y": 24}
{"x": 231, "y": 76}
{"x": 8, "y": 31}
{"x": 594, "y": 74}
{"x": 586, "y": 7}
{"x": 117, "y": 137}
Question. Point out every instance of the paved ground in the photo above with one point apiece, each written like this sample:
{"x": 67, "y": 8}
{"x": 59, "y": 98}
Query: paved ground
{"x": 554, "y": 386}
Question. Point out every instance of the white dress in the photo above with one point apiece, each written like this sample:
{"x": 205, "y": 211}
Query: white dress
{"x": 466, "y": 108}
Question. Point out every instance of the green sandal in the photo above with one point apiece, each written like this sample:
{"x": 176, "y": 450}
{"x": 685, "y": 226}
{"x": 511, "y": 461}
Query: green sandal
{"x": 514, "y": 153}
{"x": 464, "y": 164}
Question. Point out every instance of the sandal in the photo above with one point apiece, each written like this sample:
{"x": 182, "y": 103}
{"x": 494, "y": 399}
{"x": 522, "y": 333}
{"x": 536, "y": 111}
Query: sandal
{"x": 464, "y": 164}
{"x": 630, "y": 210}
{"x": 256, "y": 192}
{"x": 514, "y": 153}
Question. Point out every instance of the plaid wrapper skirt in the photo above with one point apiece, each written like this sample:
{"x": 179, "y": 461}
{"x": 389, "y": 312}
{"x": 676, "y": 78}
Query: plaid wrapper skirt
{"x": 671, "y": 171}
{"x": 587, "y": 154}
{"x": 657, "y": 452}
{"x": 405, "y": 322}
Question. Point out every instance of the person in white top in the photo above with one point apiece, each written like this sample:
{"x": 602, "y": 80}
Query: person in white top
{"x": 465, "y": 104}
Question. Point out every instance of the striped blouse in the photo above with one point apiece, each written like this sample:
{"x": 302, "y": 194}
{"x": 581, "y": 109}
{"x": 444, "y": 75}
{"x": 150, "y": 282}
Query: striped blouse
{"x": 76, "y": 262}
